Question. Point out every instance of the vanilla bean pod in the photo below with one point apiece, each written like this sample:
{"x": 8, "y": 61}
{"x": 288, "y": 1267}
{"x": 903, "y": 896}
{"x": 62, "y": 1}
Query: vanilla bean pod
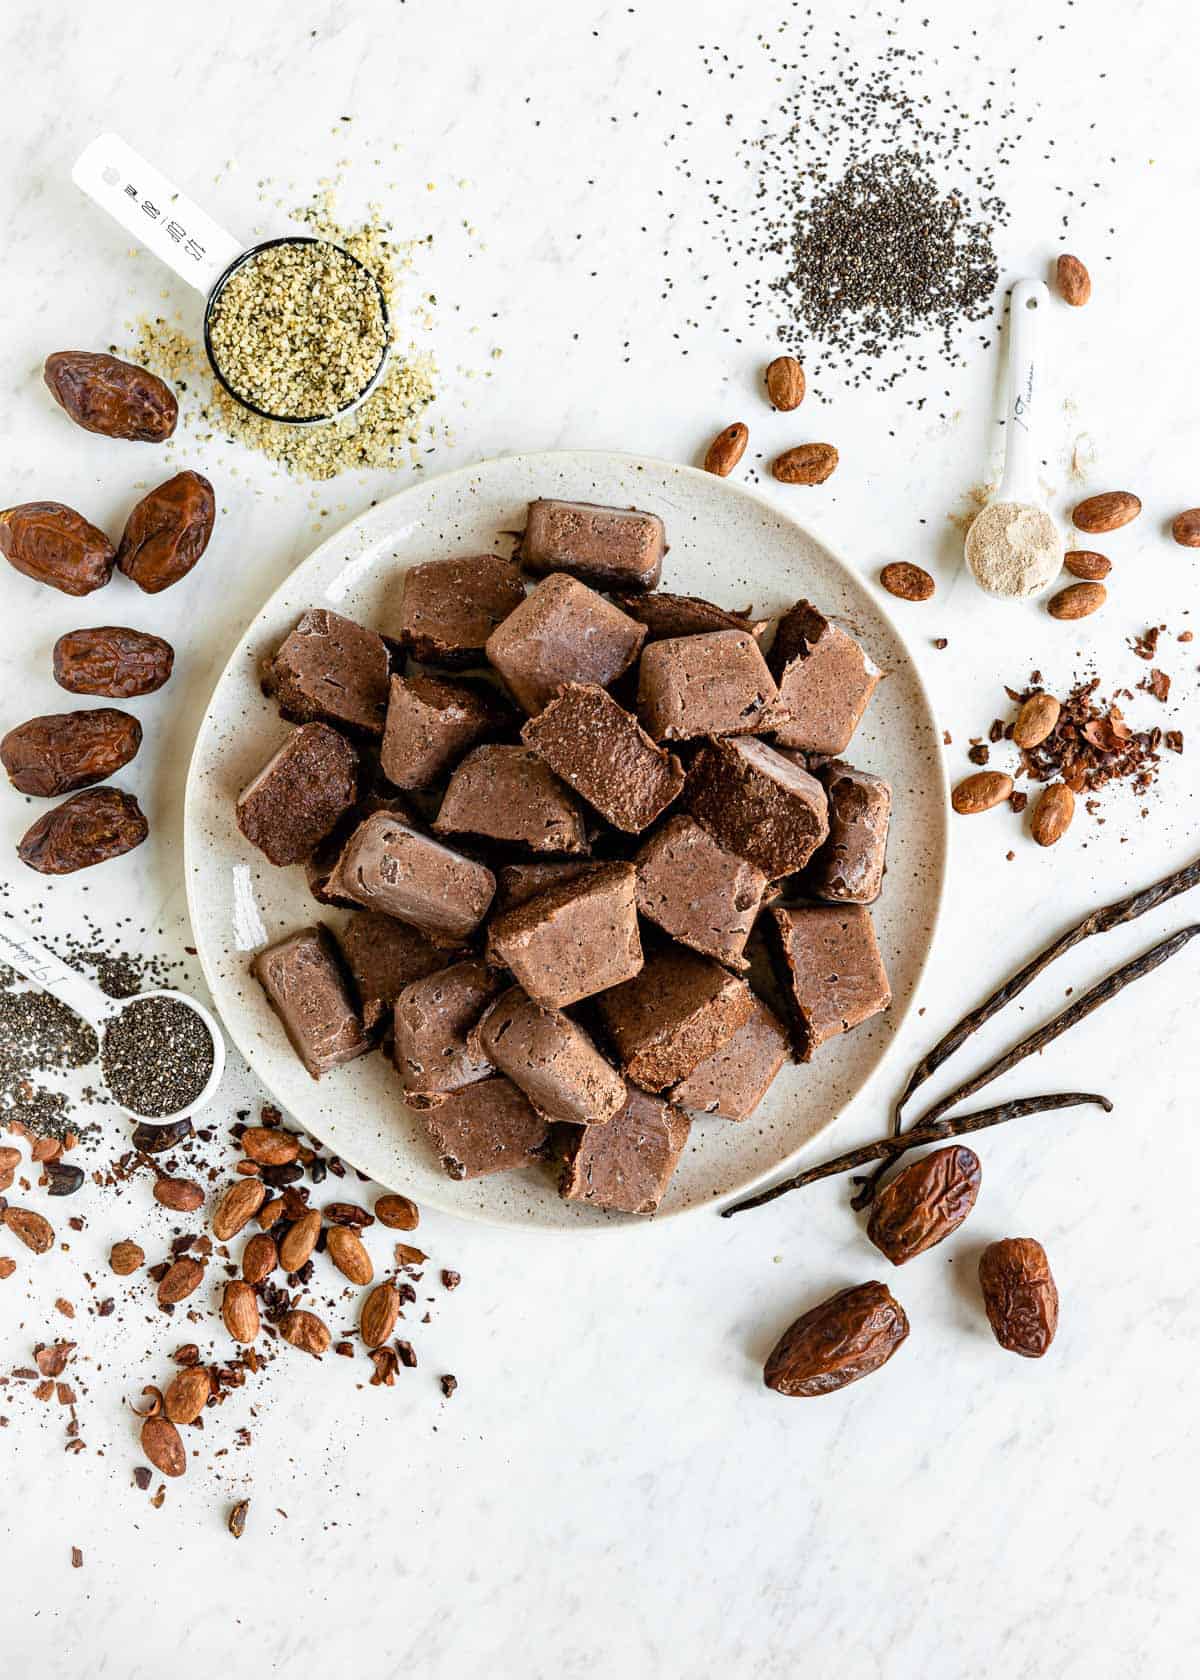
{"x": 1107, "y": 989}
{"x": 1100, "y": 920}
{"x": 890, "y": 1148}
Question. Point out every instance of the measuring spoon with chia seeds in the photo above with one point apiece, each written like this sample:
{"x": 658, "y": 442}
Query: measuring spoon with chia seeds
{"x": 23, "y": 951}
{"x": 1013, "y": 547}
{"x": 186, "y": 238}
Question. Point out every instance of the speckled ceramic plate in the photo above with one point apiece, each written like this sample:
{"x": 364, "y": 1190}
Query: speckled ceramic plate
{"x": 727, "y": 543}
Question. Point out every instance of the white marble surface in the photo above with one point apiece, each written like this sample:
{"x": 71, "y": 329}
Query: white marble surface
{"x": 611, "y": 1491}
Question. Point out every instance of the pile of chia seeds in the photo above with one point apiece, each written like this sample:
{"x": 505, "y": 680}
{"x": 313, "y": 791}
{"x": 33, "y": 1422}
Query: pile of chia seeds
{"x": 43, "y": 1043}
{"x": 867, "y": 236}
{"x": 157, "y": 1056}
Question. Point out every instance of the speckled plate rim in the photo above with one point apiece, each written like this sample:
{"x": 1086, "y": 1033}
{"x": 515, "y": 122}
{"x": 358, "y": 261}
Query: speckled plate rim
{"x": 249, "y": 1048}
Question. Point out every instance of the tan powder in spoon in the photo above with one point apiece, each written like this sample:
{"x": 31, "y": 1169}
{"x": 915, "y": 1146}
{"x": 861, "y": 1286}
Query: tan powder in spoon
{"x": 1013, "y": 550}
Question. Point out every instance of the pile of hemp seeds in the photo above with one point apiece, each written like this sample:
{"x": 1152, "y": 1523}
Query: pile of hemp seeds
{"x": 384, "y": 432}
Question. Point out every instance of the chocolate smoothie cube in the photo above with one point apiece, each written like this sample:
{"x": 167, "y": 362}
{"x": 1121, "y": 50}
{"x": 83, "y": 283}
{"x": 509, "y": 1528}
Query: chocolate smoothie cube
{"x": 433, "y": 1017}
{"x": 667, "y": 615}
{"x": 626, "y": 1165}
{"x": 449, "y": 608}
{"x": 300, "y": 794}
{"x": 383, "y": 956}
{"x": 602, "y": 751}
{"x": 330, "y": 668}
{"x": 389, "y": 865}
{"x": 553, "y": 1061}
{"x": 848, "y": 869}
{"x": 508, "y": 793}
{"x": 696, "y": 891}
{"x": 759, "y": 804}
{"x": 830, "y": 963}
{"x": 717, "y": 684}
{"x": 574, "y": 939}
{"x": 610, "y": 548}
{"x": 825, "y": 681}
{"x": 431, "y": 723}
{"x": 734, "y": 1079}
{"x": 485, "y": 1128}
{"x": 321, "y": 867}
{"x": 673, "y": 1015}
{"x": 311, "y": 993}
{"x": 517, "y": 883}
{"x": 563, "y": 632}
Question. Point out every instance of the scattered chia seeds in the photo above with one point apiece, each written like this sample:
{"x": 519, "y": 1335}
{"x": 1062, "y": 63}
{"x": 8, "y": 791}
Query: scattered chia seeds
{"x": 37, "y": 1034}
{"x": 298, "y": 329}
{"x": 157, "y": 1056}
{"x": 862, "y": 210}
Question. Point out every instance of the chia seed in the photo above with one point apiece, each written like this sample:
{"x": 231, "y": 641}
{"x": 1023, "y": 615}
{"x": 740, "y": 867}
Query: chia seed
{"x": 157, "y": 1056}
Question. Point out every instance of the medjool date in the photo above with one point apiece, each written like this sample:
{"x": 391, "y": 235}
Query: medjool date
{"x": 103, "y": 394}
{"x": 68, "y": 750}
{"x": 167, "y": 532}
{"x": 1020, "y": 1295}
{"x": 53, "y": 544}
{"x": 112, "y": 661}
{"x": 924, "y": 1203}
{"x": 86, "y": 829}
{"x": 845, "y": 1338}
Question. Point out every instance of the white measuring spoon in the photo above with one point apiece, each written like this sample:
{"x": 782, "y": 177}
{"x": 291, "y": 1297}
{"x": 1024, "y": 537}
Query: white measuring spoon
{"x": 22, "y": 950}
{"x": 1014, "y": 548}
{"x": 186, "y": 238}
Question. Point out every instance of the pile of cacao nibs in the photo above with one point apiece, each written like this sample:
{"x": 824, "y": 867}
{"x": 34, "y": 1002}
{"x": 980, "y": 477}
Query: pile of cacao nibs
{"x": 1092, "y": 744}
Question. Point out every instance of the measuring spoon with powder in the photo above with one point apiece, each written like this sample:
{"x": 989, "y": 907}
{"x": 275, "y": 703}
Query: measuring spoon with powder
{"x": 1013, "y": 547}
{"x": 295, "y": 329}
{"x": 161, "y": 1053}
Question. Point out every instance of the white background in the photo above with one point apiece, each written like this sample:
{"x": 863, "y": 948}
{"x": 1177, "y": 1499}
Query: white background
{"x": 612, "y": 1492}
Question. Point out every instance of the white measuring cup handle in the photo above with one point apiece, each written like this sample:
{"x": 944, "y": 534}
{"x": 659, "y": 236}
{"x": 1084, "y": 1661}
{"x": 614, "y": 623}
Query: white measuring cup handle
{"x": 1026, "y": 392}
{"x": 154, "y": 210}
{"x": 22, "y": 950}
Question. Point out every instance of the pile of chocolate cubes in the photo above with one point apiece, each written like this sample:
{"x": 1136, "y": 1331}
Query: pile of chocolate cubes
{"x": 558, "y": 815}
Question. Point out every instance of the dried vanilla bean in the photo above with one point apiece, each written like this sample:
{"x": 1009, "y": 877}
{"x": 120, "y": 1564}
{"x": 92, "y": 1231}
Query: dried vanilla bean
{"x": 1100, "y": 920}
{"x": 1107, "y": 989}
{"x": 889, "y": 1149}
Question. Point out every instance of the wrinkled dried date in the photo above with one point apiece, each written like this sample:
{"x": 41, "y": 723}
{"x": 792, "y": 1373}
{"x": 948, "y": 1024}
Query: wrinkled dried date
{"x": 924, "y": 1203}
{"x": 845, "y": 1338}
{"x": 64, "y": 751}
{"x": 118, "y": 400}
{"x": 51, "y": 543}
{"x": 1020, "y": 1295}
{"x": 167, "y": 532}
{"x": 113, "y": 661}
{"x": 87, "y": 829}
